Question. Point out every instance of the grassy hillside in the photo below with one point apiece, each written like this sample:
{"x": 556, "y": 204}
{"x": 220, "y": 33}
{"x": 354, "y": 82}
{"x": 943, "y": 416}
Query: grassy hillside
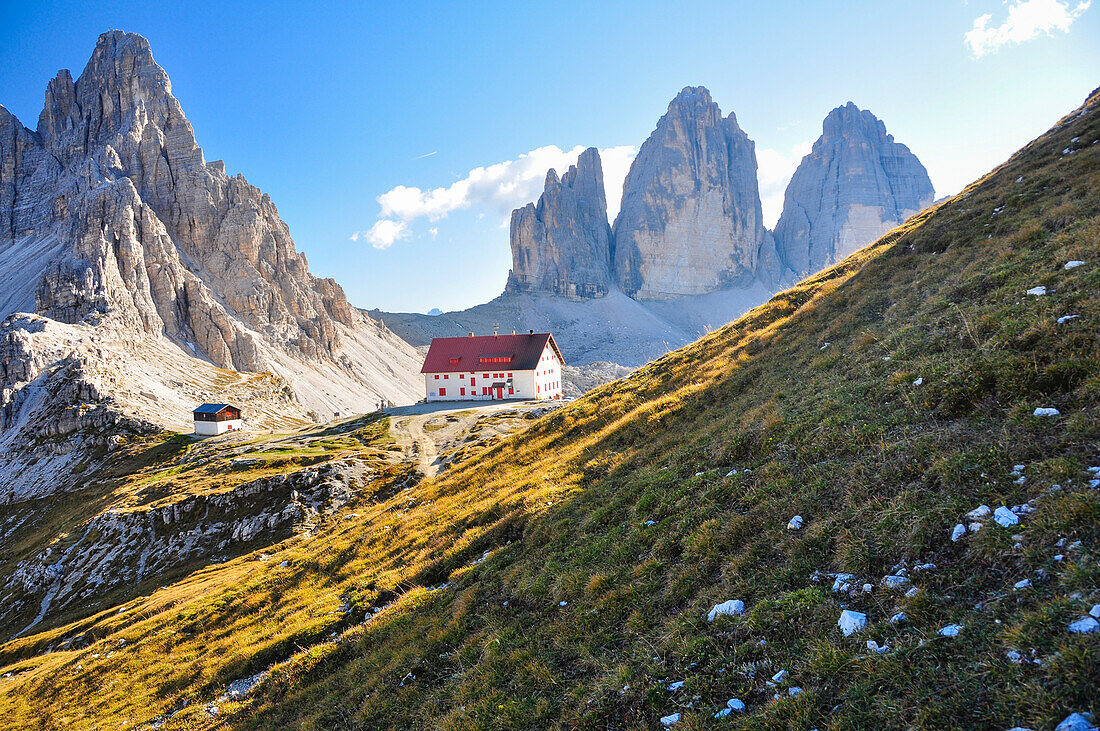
{"x": 563, "y": 577}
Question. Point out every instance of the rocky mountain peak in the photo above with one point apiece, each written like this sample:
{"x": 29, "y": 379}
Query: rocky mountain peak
{"x": 691, "y": 221}
{"x": 110, "y": 212}
{"x": 855, "y": 185}
{"x": 562, "y": 245}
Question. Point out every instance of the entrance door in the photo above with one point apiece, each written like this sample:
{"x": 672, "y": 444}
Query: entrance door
{"x": 500, "y": 393}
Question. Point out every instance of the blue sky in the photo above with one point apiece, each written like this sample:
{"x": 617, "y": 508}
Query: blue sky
{"x": 327, "y": 108}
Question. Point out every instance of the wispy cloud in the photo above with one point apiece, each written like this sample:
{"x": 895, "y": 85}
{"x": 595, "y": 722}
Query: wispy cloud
{"x": 774, "y": 171}
{"x": 1027, "y": 19}
{"x": 497, "y": 189}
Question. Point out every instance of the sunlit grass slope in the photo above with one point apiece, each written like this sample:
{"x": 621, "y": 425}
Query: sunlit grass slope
{"x": 562, "y": 578}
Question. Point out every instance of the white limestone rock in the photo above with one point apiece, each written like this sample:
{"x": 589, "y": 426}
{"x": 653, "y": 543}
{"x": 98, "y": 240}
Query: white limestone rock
{"x": 980, "y": 513}
{"x": 851, "y": 622}
{"x": 894, "y": 582}
{"x": 1084, "y": 626}
{"x": 728, "y": 608}
{"x": 1077, "y": 722}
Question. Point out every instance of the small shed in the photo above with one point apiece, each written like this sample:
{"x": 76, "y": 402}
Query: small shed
{"x": 211, "y": 419}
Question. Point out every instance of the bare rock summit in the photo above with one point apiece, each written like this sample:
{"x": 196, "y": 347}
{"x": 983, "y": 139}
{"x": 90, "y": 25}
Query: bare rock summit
{"x": 856, "y": 184}
{"x": 562, "y": 245}
{"x": 691, "y": 221}
{"x": 109, "y": 213}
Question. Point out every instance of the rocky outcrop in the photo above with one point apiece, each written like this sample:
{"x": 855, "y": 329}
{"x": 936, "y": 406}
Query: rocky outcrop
{"x": 690, "y": 221}
{"x": 562, "y": 245}
{"x": 70, "y": 393}
{"x": 855, "y": 185}
{"x": 120, "y": 548}
{"x": 109, "y": 210}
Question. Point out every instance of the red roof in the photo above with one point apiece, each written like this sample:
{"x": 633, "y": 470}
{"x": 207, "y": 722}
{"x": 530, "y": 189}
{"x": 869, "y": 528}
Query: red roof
{"x": 454, "y": 355}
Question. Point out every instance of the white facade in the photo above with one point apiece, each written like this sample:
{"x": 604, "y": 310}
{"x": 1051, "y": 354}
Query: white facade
{"x": 542, "y": 382}
{"x": 213, "y": 428}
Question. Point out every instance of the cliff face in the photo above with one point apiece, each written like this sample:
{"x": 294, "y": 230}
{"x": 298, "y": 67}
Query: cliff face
{"x": 855, "y": 185}
{"x": 690, "y": 221}
{"x": 562, "y": 245}
{"x": 109, "y": 209}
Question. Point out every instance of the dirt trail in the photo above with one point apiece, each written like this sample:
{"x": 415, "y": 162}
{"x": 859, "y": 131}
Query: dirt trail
{"x": 428, "y": 432}
{"x": 409, "y": 433}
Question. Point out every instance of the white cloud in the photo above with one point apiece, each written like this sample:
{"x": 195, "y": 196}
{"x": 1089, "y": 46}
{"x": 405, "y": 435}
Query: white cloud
{"x": 1026, "y": 20}
{"x": 433, "y": 232}
{"x": 774, "y": 171}
{"x": 383, "y": 233}
{"x": 616, "y": 164}
{"x": 499, "y": 188}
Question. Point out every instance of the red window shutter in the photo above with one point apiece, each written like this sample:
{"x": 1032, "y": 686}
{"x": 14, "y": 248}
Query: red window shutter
{"x": 510, "y": 391}
{"x": 442, "y": 392}
{"x": 462, "y": 392}
{"x": 437, "y": 376}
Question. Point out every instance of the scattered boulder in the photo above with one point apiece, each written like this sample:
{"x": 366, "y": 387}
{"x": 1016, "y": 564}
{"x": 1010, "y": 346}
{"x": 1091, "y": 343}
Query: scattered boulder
{"x": 1037, "y": 291}
{"x": 730, "y": 607}
{"x": 876, "y": 648}
{"x": 958, "y": 532}
{"x": 1084, "y": 626}
{"x": 1073, "y": 264}
{"x": 795, "y": 523}
{"x": 843, "y": 582}
{"x": 671, "y": 719}
{"x": 851, "y": 622}
{"x": 951, "y": 630}
{"x": 1046, "y": 411}
{"x": 1005, "y": 517}
{"x": 1077, "y": 722}
{"x": 894, "y": 581}
{"x": 980, "y": 513}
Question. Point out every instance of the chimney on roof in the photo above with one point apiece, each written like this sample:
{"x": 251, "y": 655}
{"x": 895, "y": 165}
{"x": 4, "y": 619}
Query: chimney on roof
{"x": 471, "y": 335}
{"x": 530, "y": 332}
{"x": 513, "y": 332}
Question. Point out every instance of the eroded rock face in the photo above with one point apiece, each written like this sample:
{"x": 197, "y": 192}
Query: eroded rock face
{"x": 123, "y": 547}
{"x": 562, "y": 245}
{"x": 109, "y": 208}
{"x": 855, "y": 185}
{"x": 691, "y": 221}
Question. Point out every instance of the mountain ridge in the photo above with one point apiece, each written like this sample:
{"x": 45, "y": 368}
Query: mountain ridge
{"x": 110, "y": 212}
